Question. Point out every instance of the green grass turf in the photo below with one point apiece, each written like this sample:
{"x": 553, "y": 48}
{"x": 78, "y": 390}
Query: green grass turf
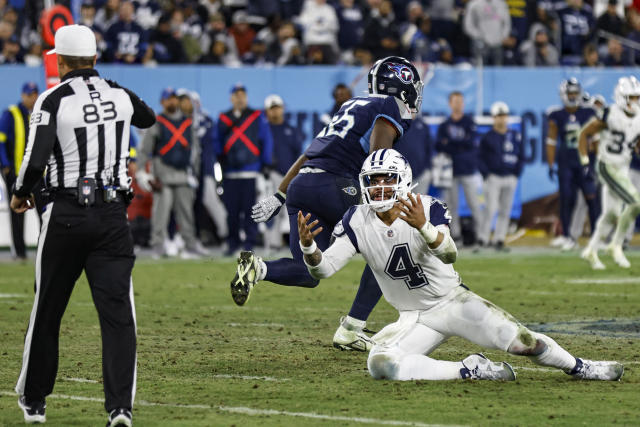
{"x": 195, "y": 345}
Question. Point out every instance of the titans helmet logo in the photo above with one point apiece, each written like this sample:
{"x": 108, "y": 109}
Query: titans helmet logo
{"x": 403, "y": 72}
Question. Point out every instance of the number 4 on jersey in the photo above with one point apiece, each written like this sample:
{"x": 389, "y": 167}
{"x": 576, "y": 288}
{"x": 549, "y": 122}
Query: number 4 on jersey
{"x": 401, "y": 267}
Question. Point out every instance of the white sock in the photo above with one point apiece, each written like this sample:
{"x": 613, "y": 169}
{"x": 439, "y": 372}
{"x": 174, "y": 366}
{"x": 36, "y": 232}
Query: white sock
{"x": 628, "y": 215}
{"x": 420, "y": 367}
{"x": 603, "y": 227}
{"x": 263, "y": 270}
{"x": 353, "y": 324}
{"x": 554, "y": 356}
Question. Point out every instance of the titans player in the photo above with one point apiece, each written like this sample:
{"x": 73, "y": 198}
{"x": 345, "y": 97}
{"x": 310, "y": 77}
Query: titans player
{"x": 405, "y": 240}
{"x": 324, "y": 182}
{"x": 564, "y": 126}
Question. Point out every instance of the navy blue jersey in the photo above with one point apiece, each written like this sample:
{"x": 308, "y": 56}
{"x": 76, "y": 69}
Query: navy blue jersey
{"x": 343, "y": 145}
{"x": 635, "y": 161}
{"x": 501, "y": 154}
{"x": 457, "y": 138}
{"x": 287, "y": 146}
{"x": 569, "y": 125}
{"x": 576, "y": 28}
{"x": 417, "y": 146}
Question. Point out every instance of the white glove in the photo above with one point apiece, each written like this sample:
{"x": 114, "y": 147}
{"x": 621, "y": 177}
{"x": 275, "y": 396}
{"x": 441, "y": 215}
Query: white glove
{"x": 143, "y": 179}
{"x": 267, "y": 208}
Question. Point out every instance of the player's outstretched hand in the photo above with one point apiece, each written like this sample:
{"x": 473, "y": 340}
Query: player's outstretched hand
{"x": 412, "y": 211}
{"x": 306, "y": 231}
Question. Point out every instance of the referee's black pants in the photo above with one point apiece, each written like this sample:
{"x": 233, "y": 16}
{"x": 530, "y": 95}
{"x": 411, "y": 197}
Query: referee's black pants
{"x": 97, "y": 240}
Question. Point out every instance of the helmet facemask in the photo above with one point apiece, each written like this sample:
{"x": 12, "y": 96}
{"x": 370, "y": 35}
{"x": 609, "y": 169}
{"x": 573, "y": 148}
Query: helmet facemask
{"x": 627, "y": 95}
{"x": 567, "y": 89}
{"x": 386, "y": 180}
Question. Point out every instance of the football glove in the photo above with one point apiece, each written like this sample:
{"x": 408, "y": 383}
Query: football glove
{"x": 143, "y": 179}
{"x": 552, "y": 173}
{"x": 267, "y": 208}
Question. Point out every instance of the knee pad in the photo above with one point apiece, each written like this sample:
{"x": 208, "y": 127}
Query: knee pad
{"x": 383, "y": 366}
{"x": 527, "y": 343}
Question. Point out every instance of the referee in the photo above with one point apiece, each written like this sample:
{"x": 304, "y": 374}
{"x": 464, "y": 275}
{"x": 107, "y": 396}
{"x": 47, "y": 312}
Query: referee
{"x": 79, "y": 132}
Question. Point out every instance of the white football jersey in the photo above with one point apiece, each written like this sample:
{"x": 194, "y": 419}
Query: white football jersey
{"x": 618, "y": 141}
{"x": 409, "y": 275}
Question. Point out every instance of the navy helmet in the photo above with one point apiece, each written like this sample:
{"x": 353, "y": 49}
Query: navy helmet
{"x": 395, "y": 76}
{"x": 571, "y": 92}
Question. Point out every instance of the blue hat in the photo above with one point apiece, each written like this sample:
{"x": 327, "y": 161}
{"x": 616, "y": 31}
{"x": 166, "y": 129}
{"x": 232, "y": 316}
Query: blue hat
{"x": 238, "y": 86}
{"x": 167, "y": 93}
{"x": 29, "y": 88}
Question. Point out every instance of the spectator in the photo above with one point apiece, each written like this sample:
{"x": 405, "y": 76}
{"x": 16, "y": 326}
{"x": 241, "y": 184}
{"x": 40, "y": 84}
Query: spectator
{"x": 11, "y": 51}
{"x": 88, "y": 18}
{"x": 443, "y": 54}
{"x": 421, "y": 45}
{"x": 537, "y": 51}
{"x": 33, "y": 56}
{"x": 511, "y": 54}
{"x": 351, "y": 24}
{"x": 276, "y": 48}
{"x": 488, "y": 24}
{"x": 319, "y": 24}
{"x": 220, "y": 53}
{"x": 291, "y": 53}
{"x": 167, "y": 48}
{"x": 258, "y": 54}
{"x": 241, "y": 32}
{"x": 148, "y": 13}
{"x": 408, "y": 29}
{"x": 634, "y": 33}
{"x": 457, "y": 138}
{"x": 341, "y": 94}
{"x": 362, "y": 57}
{"x": 519, "y": 19}
{"x": 616, "y": 55}
{"x": 170, "y": 144}
{"x": 610, "y": 21}
{"x": 108, "y": 14}
{"x": 601, "y": 6}
{"x": 444, "y": 16}
{"x": 126, "y": 40}
{"x": 590, "y": 56}
{"x": 381, "y": 34}
{"x": 576, "y": 25}
{"x": 242, "y": 159}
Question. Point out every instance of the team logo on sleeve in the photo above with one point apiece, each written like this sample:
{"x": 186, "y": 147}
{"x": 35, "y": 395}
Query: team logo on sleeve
{"x": 338, "y": 230}
{"x": 350, "y": 190}
{"x": 403, "y": 72}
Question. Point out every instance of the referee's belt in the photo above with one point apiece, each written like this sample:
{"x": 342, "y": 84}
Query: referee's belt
{"x": 53, "y": 193}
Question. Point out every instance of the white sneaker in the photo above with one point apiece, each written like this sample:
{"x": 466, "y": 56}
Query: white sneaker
{"x": 618, "y": 255}
{"x": 591, "y": 256}
{"x": 187, "y": 254}
{"x": 568, "y": 244}
{"x": 33, "y": 412}
{"x": 478, "y": 367}
{"x": 199, "y": 249}
{"x": 248, "y": 273}
{"x": 346, "y": 339}
{"x": 557, "y": 242}
{"x": 597, "y": 370}
{"x": 119, "y": 417}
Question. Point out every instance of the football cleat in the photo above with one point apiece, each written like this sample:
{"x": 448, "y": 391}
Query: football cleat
{"x": 247, "y": 275}
{"x": 119, "y": 417}
{"x": 618, "y": 256}
{"x": 597, "y": 370}
{"x": 558, "y": 242}
{"x": 33, "y": 412}
{"x": 345, "y": 339}
{"x": 568, "y": 244}
{"x": 591, "y": 256}
{"x": 478, "y": 367}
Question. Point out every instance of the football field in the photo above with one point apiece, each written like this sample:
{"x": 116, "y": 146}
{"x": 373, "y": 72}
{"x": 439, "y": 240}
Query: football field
{"x": 203, "y": 361}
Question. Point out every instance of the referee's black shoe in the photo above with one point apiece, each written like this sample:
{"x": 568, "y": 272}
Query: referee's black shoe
{"x": 33, "y": 411}
{"x": 119, "y": 417}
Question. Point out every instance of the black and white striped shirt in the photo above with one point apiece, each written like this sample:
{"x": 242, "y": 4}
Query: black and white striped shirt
{"x": 80, "y": 128}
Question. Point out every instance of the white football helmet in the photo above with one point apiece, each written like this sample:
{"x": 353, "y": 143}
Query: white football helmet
{"x": 386, "y": 161}
{"x": 626, "y": 88}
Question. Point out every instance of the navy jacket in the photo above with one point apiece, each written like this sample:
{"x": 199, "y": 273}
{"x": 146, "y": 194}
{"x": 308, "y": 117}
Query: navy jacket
{"x": 287, "y": 146}
{"x": 417, "y": 146}
{"x": 501, "y": 154}
{"x": 458, "y": 139}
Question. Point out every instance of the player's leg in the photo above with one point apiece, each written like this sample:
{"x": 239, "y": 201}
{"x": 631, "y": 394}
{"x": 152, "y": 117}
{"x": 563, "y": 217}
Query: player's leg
{"x": 507, "y": 193}
{"x": 492, "y": 193}
{"x": 634, "y": 176}
{"x": 469, "y": 316}
{"x": 401, "y": 349}
{"x": 160, "y": 214}
{"x": 249, "y": 225}
{"x": 568, "y": 193}
{"x": 589, "y": 188}
{"x": 451, "y": 197}
{"x": 232, "y": 199}
{"x": 470, "y": 185}
{"x": 578, "y": 217}
{"x": 612, "y": 206}
{"x": 350, "y": 334}
{"x": 618, "y": 179}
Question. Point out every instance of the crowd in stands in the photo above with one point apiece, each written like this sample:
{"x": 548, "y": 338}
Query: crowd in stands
{"x": 353, "y": 32}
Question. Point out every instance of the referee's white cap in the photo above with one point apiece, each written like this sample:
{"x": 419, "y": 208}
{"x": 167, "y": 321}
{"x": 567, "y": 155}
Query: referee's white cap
{"x": 499, "y": 108}
{"x": 74, "y": 40}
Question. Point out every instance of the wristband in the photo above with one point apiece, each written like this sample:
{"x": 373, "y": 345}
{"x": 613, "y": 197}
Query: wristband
{"x": 429, "y": 232}
{"x": 584, "y": 159}
{"x": 280, "y": 196}
{"x": 308, "y": 250}
{"x": 551, "y": 141}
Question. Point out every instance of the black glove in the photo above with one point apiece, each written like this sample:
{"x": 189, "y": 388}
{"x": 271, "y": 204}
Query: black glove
{"x": 553, "y": 173}
{"x": 587, "y": 171}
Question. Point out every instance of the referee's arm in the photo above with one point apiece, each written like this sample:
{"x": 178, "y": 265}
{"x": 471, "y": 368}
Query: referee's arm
{"x": 42, "y": 127}
{"x": 143, "y": 116}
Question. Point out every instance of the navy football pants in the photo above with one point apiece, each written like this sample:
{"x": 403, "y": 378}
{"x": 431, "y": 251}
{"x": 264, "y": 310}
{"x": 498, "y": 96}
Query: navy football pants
{"x": 570, "y": 180}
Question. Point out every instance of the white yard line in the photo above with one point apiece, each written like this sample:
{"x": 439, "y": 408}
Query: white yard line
{"x": 252, "y": 411}
{"x": 263, "y": 325}
{"x": 604, "y": 281}
{"x": 13, "y": 295}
